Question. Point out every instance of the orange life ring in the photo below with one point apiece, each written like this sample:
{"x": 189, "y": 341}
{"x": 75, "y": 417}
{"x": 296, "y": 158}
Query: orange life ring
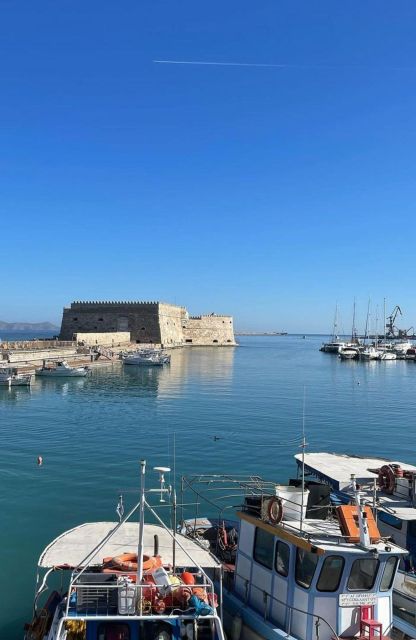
{"x": 275, "y": 510}
{"x": 128, "y": 562}
{"x": 386, "y": 479}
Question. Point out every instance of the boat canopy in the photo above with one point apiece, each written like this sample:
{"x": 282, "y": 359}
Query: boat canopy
{"x": 73, "y": 546}
{"x": 335, "y": 469}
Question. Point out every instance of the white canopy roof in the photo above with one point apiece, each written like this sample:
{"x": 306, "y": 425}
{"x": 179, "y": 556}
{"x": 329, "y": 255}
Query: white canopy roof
{"x": 336, "y": 469}
{"x": 339, "y": 467}
{"x": 74, "y": 545}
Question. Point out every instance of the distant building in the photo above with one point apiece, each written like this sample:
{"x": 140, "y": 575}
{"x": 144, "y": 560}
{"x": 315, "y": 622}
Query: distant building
{"x": 148, "y": 322}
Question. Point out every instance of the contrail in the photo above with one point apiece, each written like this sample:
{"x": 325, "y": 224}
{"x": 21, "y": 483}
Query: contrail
{"x": 221, "y": 64}
{"x": 288, "y": 66}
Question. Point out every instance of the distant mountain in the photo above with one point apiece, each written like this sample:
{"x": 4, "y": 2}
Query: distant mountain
{"x": 27, "y": 326}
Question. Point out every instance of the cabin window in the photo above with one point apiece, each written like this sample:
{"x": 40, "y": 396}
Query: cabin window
{"x": 305, "y": 567}
{"x": 282, "y": 558}
{"x": 331, "y": 573}
{"x": 388, "y": 518}
{"x": 388, "y": 574}
{"x": 75, "y": 319}
{"x": 263, "y": 548}
{"x": 363, "y": 574}
{"x": 411, "y": 528}
{"x": 113, "y": 631}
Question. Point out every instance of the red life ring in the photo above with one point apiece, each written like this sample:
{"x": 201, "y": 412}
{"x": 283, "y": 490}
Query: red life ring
{"x": 386, "y": 479}
{"x": 275, "y": 510}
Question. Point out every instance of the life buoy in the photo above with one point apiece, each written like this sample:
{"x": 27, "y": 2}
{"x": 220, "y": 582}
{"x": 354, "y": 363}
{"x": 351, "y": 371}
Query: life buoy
{"x": 275, "y": 510}
{"x": 386, "y": 479}
{"x": 128, "y": 562}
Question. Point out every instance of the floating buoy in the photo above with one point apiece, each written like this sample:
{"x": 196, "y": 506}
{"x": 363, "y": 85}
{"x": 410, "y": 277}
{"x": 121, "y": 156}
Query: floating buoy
{"x": 40, "y": 461}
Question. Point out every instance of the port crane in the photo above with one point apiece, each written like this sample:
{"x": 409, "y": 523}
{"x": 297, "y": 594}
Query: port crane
{"x": 391, "y": 330}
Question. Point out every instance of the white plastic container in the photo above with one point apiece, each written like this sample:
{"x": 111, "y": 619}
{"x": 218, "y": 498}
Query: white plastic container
{"x": 161, "y": 578}
{"x": 126, "y": 596}
{"x": 291, "y": 498}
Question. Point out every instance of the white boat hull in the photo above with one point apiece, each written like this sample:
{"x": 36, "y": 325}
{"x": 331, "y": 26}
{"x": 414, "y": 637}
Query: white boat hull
{"x": 53, "y": 373}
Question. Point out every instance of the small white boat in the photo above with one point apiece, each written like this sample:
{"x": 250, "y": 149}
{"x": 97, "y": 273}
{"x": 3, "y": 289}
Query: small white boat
{"x": 370, "y": 353}
{"x": 9, "y": 377}
{"x": 147, "y": 358}
{"x": 62, "y": 370}
{"x": 387, "y": 355}
{"x": 349, "y": 353}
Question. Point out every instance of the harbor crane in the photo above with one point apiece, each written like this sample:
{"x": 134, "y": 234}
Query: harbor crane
{"x": 391, "y": 329}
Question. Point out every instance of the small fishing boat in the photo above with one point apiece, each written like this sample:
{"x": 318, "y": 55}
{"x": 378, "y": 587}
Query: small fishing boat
{"x": 147, "y": 358}
{"x": 124, "y": 581}
{"x": 389, "y": 488}
{"x": 10, "y": 377}
{"x": 303, "y": 569}
{"x": 61, "y": 369}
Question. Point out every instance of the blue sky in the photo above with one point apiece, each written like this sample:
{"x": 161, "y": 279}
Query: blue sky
{"x": 268, "y": 193}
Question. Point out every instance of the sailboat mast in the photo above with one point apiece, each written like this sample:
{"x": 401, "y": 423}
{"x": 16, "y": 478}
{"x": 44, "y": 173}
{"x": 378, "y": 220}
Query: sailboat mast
{"x": 353, "y": 330}
{"x": 366, "y": 322}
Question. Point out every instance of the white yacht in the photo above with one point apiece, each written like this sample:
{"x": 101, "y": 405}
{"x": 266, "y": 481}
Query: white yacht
{"x": 147, "y": 358}
{"x": 387, "y": 355}
{"x": 125, "y": 581}
{"x": 349, "y": 353}
{"x": 61, "y": 369}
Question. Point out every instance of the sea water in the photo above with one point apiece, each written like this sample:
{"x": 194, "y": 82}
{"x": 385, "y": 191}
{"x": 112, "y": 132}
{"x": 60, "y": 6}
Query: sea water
{"x": 213, "y": 410}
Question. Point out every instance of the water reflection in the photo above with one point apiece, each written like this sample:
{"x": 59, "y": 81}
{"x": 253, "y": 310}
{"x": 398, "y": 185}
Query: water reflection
{"x": 14, "y": 394}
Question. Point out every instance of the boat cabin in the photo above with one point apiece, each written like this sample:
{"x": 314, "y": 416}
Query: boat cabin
{"x": 313, "y": 577}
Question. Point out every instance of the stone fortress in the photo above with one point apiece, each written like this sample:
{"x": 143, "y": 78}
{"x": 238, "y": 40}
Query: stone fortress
{"x": 145, "y": 322}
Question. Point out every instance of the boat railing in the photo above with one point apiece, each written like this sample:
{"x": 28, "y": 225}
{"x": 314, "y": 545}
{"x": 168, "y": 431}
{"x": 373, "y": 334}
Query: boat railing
{"x": 286, "y": 618}
{"x": 105, "y": 594}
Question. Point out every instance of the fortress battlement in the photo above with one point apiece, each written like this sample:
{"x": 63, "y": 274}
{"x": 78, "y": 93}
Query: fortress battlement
{"x": 148, "y": 323}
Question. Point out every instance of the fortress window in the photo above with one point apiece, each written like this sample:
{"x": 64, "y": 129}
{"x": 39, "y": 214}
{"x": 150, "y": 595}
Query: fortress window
{"x": 215, "y": 341}
{"x": 228, "y": 340}
{"x": 143, "y": 329}
{"x": 100, "y": 320}
{"x": 223, "y": 321}
{"x": 183, "y": 326}
{"x": 188, "y": 340}
{"x": 74, "y": 319}
{"x": 95, "y": 327}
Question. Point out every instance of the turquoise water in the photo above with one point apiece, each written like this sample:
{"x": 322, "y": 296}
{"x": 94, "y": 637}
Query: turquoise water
{"x": 92, "y": 433}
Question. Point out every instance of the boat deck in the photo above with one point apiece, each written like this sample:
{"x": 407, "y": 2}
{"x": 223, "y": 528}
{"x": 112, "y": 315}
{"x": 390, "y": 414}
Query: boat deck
{"x": 73, "y": 546}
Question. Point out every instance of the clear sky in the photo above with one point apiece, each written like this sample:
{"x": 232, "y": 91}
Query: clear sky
{"x": 266, "y": 192}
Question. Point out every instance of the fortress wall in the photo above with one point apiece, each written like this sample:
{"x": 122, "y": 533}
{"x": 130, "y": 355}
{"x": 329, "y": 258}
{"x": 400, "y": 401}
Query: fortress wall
{"x": 209, "y": 330}
{"x": 147, "y": 323}
{"x": 138, "y": 318}
{"x": 39, "y": 355}
{"x": 171, "y": 321}
{"x": 106, "y": 339}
